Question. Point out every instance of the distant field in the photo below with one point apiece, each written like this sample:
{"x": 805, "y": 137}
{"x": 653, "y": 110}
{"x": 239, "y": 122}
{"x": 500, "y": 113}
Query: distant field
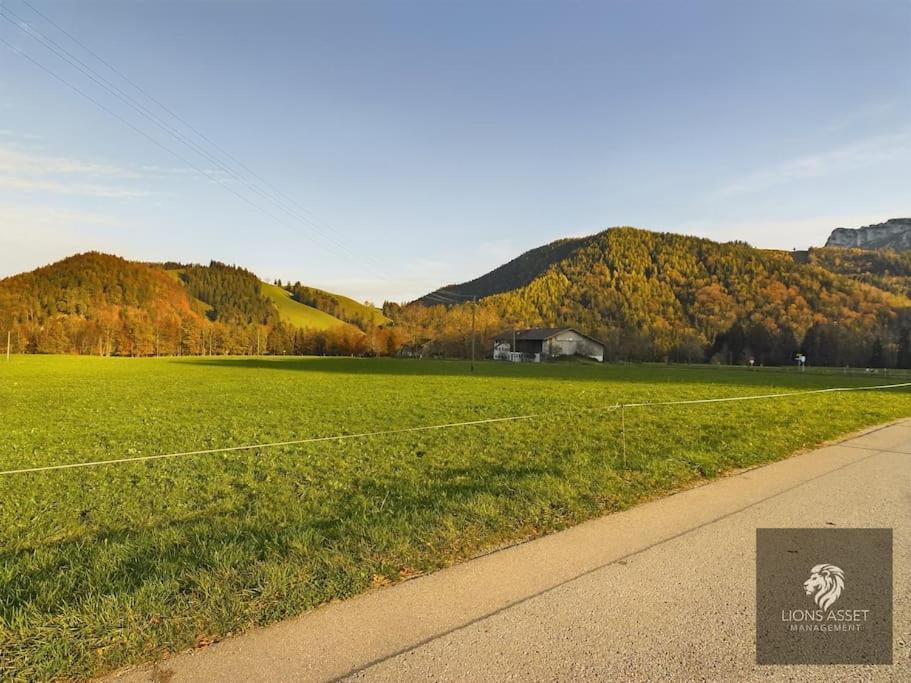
{"x": 107, "y": 566}
{"x": 356, "y": 308}
{"x": 296, "y": 313}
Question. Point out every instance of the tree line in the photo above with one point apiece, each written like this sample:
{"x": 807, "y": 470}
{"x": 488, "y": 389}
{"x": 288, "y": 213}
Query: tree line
{"x": 326, "y": 302}
{"x": 233, "y": 294}
{"x": 100, "y": 304}
{"x": 664, "y": 297}
{"x": 647, "y": 296}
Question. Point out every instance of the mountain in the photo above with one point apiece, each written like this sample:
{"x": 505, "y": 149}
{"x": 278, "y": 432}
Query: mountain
{"x": 653, "y": 295}
{"x": 894, "y": 234}
{"x": 104, "y": 304}
{"x": 517, "y": 273}
{"x": 647, "y": 295}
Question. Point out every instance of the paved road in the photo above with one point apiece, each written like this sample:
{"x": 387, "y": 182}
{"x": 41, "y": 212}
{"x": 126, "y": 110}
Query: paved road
{"x": 663, "y": 591}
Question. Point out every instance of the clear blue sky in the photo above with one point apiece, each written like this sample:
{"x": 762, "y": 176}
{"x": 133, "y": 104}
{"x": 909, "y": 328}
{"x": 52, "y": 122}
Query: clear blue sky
{"x": 435, "y": 140}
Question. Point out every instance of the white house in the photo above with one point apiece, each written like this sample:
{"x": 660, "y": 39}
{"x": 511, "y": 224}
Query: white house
{"x": 546, "y": 342}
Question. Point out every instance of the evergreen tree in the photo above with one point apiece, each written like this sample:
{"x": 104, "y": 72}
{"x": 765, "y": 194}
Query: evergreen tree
{"x": 877, "y": 359}
{"x": 904, "y": 349}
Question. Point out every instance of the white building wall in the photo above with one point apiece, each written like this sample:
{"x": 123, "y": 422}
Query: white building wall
{"x": 501, "y": 352}
{"x": 571, "y": 343}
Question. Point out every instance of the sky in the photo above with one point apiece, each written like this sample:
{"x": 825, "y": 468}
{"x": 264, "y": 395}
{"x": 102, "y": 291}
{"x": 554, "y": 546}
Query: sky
{"x": 382, "y": 148}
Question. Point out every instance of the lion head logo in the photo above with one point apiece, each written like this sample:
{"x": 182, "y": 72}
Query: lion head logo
{"x": 825, "y": 584}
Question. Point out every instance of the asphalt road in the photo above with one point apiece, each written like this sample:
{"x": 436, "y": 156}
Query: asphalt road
{"x": 661, "y": 592}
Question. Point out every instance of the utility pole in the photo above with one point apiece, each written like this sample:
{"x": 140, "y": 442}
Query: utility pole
{"x": 474, "y": 305}
{"x": 8, "y": 344}
{"x": 257, "y": 340}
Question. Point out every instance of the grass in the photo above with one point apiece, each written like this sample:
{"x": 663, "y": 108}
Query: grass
{"x": 291, "y": 311}
{"x": 296, "y": 313}
{"x": 108, "y": 566}
{"x": 355, "y": 308}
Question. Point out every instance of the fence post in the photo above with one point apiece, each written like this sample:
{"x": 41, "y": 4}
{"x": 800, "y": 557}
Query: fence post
{"x": 623, "y": 433}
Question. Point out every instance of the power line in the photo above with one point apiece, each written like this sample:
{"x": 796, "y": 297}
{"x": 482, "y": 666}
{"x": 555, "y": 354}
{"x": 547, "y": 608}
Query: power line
{"x": 94, "y": 101}
{"x": 171, "y": 112}
{"x": 141, "y": 132}
{"x": 111, "y": 88}
{"x": 439, "y": 299}
{"x": 68, "y": 57}
{"x": 76, "y": 63}
{"x": 458, "y": 295}
{"x": 447, "y": 297}
{"x": 444, "y": 298}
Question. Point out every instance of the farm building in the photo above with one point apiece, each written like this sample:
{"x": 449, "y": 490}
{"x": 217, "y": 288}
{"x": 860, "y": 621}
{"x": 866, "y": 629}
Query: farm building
{"x": 542, "y": 343}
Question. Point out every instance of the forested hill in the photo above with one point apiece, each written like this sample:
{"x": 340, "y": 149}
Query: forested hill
{"x": 88, "y": 284}
{"x": 647, "y": 295}
{"x": 882, "y": 268}
{"x": 77, "y": 304}
{"x": 517, "y": 273}
{"x": 233, "y": 295}
{"x": 102, "y": 304}
{"x": 655, "y": 295}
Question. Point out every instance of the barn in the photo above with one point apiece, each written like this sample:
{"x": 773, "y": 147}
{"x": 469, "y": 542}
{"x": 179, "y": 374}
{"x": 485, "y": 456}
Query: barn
{"x": 542, "y": 343}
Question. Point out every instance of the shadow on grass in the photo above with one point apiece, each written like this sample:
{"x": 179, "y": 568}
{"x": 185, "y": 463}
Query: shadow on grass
{"x": 568, "y": 370}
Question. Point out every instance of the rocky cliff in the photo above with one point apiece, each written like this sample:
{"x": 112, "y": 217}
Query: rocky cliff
{"x": 895, "y": 234}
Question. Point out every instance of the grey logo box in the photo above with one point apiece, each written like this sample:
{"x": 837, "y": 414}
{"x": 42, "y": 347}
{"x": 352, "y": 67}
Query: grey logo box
{"x": 824, "y": 596}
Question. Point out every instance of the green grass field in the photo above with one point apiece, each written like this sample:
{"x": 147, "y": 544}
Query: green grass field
{"x": 356, "y": 308}
{"x": 296, "y": 313}
{"x": 103, "y": 567}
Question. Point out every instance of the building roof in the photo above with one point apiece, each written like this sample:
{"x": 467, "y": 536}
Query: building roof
{"x": 539, "y": 334}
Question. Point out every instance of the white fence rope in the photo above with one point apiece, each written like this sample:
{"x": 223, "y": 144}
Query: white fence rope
{"x": 424, "y": 428}
{"x": 752, "y": 397}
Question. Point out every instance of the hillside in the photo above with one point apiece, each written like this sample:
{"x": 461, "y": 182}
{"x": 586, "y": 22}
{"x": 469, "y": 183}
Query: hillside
{"x": 517, "y": 273}
{"x": 654, "y": 295}
{"x": 298, "y": 314}
{"x": 883, "y": 268}
{"x": 177, "y": 275}
{"x": 339, "y": 306}
{"x": 894, "y": 234}
{"x": 233, "y": 294}
{"x": 96, "y": 303}
{"x": 229, "y": 294}
{"x": 647, "y": 295}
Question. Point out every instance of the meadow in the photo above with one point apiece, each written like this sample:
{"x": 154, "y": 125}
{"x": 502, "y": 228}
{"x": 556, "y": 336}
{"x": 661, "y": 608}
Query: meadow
{"x": 295, "y": 313}
{"x": 107, "y": 566}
